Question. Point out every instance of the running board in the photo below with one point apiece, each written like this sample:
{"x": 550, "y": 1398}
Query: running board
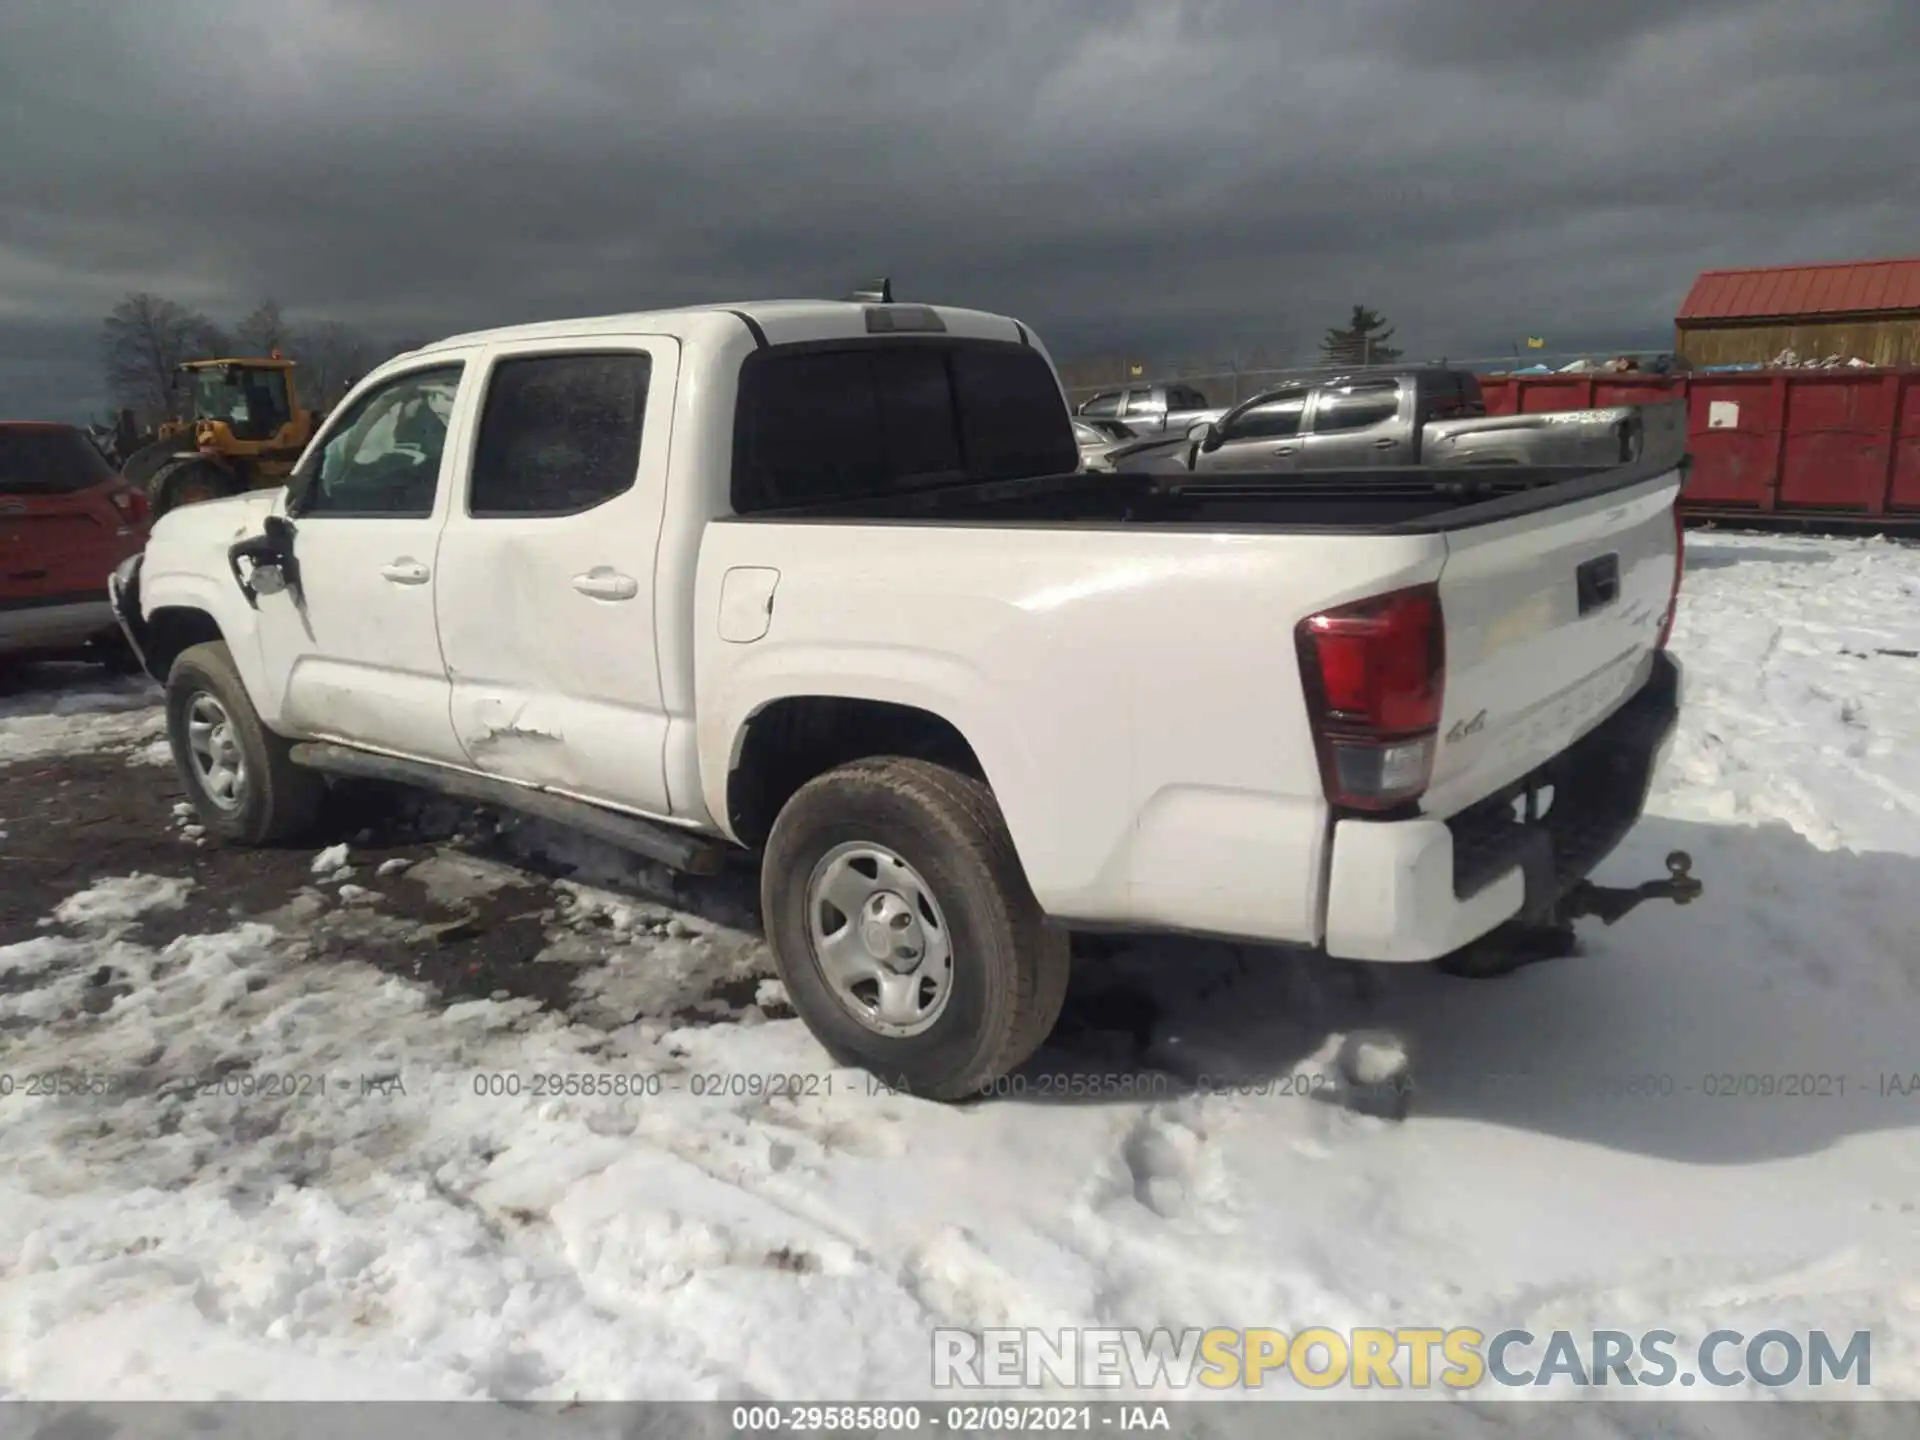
{"x": 676, "y": 849}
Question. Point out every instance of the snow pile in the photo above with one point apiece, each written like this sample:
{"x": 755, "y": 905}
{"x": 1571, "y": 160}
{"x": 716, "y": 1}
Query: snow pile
{"x": 67, "y": 709}
{"x": 122, "y": 900}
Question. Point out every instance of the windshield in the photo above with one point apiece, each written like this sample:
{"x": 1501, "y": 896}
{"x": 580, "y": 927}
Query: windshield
{"x": 48, "y": 460}
{"x": 253, "y": 403}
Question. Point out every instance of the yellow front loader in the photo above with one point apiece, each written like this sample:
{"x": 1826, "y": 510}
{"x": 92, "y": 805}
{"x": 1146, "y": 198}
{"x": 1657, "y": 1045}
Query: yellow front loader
{"x": 246, "y": 430}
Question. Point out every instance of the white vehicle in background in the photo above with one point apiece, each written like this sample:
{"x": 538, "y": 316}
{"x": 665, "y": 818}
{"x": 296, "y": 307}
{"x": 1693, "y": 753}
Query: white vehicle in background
{"x": 819, "y": 581}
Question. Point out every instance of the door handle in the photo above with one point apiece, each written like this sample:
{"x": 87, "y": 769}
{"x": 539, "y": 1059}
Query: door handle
{"x": 1385, "y": 444}
{"x": 603, "y": 583}
{"x": 1285, "y": 449}
{"x": 405, "y": 571}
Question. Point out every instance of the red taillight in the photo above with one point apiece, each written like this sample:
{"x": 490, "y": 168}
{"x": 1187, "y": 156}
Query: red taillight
{"x": 131, "y": 504}
{"x": 1374, "y": 673}
{"x": 1679, "y": 566}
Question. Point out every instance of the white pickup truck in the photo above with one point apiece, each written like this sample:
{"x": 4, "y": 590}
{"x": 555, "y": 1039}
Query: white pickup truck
{"x": 820, "y": 581}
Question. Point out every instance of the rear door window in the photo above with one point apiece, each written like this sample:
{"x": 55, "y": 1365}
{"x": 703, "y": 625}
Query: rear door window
{"x": 878, "y": 418}
{"x": 1355, "y": 407}
{"x": 560, "y": 434}
{"x": 48, "y": 460}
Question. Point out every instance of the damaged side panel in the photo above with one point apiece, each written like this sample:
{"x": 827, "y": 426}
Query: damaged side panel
{"x": 544, "y": 591}
{"x": 571, "y": 707}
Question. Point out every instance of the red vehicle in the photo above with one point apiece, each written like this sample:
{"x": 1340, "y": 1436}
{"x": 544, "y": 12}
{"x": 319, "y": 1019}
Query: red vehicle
{"x": 66, "y": 520}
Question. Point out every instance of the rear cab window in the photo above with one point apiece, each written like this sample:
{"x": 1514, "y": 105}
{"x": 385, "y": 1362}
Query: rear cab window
{"x": 1450, "y": 396}
{"x": 846, "y": 420}
{"x": 49, "y": 460}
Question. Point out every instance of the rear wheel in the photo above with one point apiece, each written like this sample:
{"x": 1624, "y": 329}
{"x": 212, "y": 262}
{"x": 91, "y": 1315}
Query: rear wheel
{"x": 237, "y": 773}
{"x": 149, "y": 460}
{"x": 905, "y": 931}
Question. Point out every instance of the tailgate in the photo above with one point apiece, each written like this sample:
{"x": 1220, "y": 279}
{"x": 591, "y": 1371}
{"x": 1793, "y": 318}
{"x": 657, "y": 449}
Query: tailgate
{"x": 1551, "y": 623}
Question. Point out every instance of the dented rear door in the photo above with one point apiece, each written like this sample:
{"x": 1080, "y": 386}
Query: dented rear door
{"x": 545, "y": 586}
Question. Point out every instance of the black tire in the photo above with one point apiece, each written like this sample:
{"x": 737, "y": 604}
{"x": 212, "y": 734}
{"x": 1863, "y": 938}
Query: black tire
{"x": 1010, "y": 964}
{"x": 189, "y": 482}
{"x": 278, "y": 800}
{"x": 150, "y": 459}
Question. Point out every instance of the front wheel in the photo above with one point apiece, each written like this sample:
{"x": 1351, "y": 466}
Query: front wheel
{"x": 238, "y": 774}
{"x": 904, "y": 929}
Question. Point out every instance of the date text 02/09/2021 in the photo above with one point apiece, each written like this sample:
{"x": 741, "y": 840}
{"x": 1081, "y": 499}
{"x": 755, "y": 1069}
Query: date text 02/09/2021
{"x": 990, "y": 1418}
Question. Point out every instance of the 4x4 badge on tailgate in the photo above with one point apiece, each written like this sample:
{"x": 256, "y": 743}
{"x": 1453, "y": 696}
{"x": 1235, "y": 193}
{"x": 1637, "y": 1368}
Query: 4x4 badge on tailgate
{"x": 1463, "y": 728}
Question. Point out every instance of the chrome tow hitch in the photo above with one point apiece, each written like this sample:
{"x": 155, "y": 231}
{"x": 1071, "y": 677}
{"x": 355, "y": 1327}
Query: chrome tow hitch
{"x": 1610, "y": 902}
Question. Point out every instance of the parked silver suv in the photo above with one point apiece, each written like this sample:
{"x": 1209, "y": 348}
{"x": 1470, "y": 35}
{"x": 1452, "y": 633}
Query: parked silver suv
{"x": 1171, "y": 409}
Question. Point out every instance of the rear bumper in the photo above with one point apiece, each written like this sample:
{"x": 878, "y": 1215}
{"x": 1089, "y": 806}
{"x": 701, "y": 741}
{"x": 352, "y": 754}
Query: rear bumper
{"x": 55, "y": 623}
{"x": 1413, "y": 890}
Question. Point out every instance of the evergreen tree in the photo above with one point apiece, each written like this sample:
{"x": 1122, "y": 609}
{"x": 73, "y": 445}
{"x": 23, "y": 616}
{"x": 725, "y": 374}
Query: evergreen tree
{"x": 1362, "y": 342}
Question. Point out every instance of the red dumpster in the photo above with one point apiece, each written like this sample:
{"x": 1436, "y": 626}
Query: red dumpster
{"x": 1841, "y": 445}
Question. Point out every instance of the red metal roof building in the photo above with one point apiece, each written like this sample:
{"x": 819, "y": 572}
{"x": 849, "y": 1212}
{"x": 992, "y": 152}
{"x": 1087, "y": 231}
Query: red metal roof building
{"x": 1863, "y": 309}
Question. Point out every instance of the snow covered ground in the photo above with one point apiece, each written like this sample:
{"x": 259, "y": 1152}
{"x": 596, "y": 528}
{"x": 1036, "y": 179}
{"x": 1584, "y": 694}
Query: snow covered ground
{"x": 388, "y": 1223}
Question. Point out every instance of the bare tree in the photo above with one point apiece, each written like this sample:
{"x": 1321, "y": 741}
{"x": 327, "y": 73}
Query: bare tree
{"x": 144, "y": 338}
{"x": 264, "y": 331}
{"x": 332, "y": 356}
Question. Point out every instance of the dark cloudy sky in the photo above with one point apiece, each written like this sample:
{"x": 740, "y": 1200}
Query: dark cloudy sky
{"x": 1170, "y": 177}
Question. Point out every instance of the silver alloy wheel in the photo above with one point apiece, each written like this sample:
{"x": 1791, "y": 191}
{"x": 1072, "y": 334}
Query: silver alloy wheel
{"x": 219, "y": 764}
{"x": 880, "y": 939}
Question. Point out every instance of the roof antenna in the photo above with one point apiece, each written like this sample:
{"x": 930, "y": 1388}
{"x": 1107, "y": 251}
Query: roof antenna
{"x": 877, "y": 292}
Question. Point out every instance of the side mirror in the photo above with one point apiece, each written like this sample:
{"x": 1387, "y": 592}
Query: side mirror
{"x": 271, "y": 568}
{"x": 1212, "y": 437}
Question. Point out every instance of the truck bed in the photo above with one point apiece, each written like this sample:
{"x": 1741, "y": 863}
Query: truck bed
{"x": 1414, "y": 500}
